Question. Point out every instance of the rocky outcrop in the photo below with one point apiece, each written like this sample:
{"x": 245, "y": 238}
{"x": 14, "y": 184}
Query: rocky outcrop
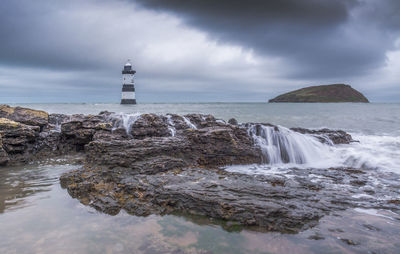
{"x": 156, "y": 140}
{"x": 165, "y": 164}
{"x": 17, "y": 138}
{"x": 328, "y": 136}
{"x": 28, "y": 135}
{"x": 3, "y": 154}
{"x": 24, "y": 115}
{"x": 324, "y": 93}
{"x": 288, "y": 202}
{"x": 79, "y": 130}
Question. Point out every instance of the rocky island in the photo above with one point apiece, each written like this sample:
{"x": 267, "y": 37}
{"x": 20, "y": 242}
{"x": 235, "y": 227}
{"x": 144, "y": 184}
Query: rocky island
{"x": 161, "y": 164}
{"x": 323, "y": 93}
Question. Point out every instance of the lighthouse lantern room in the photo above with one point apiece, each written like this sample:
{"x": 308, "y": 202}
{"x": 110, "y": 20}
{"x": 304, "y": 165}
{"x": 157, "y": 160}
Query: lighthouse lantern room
{"x": 128, "y": 87}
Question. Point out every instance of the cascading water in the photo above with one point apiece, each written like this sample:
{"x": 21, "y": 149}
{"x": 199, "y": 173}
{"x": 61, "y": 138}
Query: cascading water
{"x": 124, "y": 121}
{"x": 171, "y": 125}
{"x": 57, "y": 126}
{"x": 280, "y": 145}
{"x": 283, "y": 148}
{"x": 190, "y": 124}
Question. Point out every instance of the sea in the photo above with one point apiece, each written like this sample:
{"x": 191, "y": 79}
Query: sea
{"x": 38, "y": 216}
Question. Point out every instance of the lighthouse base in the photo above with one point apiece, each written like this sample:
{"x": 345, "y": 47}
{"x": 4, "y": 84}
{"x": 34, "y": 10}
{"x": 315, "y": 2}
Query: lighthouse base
{"x": 128, "y": 101}
{"x": 128, "y": 94}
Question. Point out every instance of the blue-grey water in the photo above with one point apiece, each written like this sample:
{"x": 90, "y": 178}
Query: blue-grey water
{"x": 38, "y": 216}
{"x": 364, "y": 118}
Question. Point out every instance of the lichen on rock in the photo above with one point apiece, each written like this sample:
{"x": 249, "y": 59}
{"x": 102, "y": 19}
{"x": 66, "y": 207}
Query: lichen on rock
{"x": 24, "y": 115}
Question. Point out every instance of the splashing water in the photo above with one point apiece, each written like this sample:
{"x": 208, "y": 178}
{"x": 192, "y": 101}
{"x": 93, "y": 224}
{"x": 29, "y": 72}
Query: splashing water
{"x": 281, "y": 145}
{"x": 283, "y": 148}
{"x": 171, "y": 126}
{"x": 57, "y": 127}
{"x": 372, "y": 152}
{"x": 124, "y": 121}
{"x": 187, "y": 121}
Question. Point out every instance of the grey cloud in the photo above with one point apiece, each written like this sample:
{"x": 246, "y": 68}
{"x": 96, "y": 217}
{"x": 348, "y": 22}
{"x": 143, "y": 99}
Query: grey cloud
{"x": 317, "y": 38}
{"x": 39, "y": 34}
{"x": 74, "y": 49}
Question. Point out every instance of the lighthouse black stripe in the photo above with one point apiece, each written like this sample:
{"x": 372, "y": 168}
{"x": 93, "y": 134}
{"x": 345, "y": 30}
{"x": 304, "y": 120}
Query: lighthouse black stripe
{"x": 128, "y": 88}
{"x": 128, "y": 72}
{"x": 128, "y": 101}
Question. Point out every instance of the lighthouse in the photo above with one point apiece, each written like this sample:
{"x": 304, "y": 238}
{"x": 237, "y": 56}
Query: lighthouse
{"x": 128, "y": 87}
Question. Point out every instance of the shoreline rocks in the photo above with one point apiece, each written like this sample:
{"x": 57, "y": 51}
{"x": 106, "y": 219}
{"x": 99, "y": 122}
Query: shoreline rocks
{"x": 24, "y": 115}
{"x": 149, "y": 163}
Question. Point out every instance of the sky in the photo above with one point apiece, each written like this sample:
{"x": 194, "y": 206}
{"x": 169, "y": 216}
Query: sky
{"x": 196, "y": 50}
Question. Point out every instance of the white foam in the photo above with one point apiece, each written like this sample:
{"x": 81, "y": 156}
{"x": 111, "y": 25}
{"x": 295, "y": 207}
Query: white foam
{"x": 125, "y": 121}
{"x": 283, "y": 149}
{"x": 280, "y": 145}
{"x": 373, "y": 212}
{"x": 171, "y": 126}
{"x": 372, "y": 152}
{"x": 187, "y": 121}
{"x": 362, "y": 195}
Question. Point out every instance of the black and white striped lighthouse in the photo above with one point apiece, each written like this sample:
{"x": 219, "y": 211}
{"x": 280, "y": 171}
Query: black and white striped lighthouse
{"x": 128, "y": 87}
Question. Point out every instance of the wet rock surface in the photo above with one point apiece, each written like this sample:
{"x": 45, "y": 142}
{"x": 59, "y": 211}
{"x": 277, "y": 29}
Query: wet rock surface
{"x": 152, "y": 164}
{"x": 3, "y": 154}
{"x": 328, "y": 136}
{"x": 132, "y": 141}
{"x": 24, "y": 115}
{"x": 288, "y": 202}
{"x": 17, "y": 138}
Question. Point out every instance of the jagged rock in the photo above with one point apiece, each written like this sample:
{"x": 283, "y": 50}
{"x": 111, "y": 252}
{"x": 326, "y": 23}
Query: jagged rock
{"x": 61, "y": 135}
{"x": 150, "y": 125}
{"x": 24, "y": 115}
{"x": 233, "y": 121}
{"x": 328, "y": 136}
{"x": 216, "y": 194}
{"x": 79, "y": 129}
{"x": 50, "y": 143}
{"x": 138, "y": 155}
{"x": 288, "y": 202}
{"x": 231, "y": 145}
{"x": 16, "y": 135}
{"x": 3, "y": 154}
{"x": 202, "y": 121}
{"x": 178, "y": 122}
{"x": 120, "y": 142}
{"x": 55, "y": 121}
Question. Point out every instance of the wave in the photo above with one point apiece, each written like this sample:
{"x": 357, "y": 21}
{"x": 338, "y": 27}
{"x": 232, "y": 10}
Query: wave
{"x": 281, "y": 145}
{"x": 283, "y": 148}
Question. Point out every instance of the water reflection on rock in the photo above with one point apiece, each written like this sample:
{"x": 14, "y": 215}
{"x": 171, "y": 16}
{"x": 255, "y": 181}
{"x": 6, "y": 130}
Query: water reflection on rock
{"x": 48, "y": 220}
{"x": 19, "y": 184}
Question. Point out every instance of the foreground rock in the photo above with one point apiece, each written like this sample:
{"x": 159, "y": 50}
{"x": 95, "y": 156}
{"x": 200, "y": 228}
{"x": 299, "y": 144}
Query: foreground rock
{"x": 166, "y": 164}
{"x": 209, "y": 146}
{"x": 324, "y": 93}
{"x": 287, "y": 202}
{"x": 24, "y": 115}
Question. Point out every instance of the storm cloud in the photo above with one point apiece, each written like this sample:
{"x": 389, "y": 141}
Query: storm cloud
{"x": 322, "y": 38}
{"x": 196, "y": 50}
